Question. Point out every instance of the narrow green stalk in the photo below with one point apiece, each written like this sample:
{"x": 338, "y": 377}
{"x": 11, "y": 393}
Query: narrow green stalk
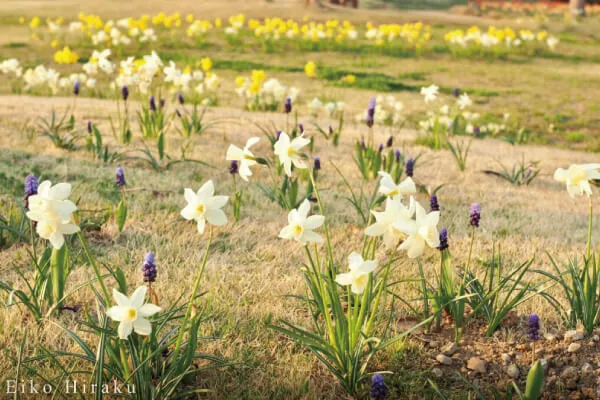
{"x": 57, "y": 273}
{"x": 325, "y": 224}
{"x": 589, "y": 239}
{"x": 32, "y": 234}
{"x": 470, "y": 251}
{"x": 92, "y": 261}
{"x": 194, "y": 292}
{"x": 324, "y": 293}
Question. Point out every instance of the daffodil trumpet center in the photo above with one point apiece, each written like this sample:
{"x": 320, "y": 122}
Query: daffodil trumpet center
{"x": 298, "y": 229}
{"x": 130, "y": 314}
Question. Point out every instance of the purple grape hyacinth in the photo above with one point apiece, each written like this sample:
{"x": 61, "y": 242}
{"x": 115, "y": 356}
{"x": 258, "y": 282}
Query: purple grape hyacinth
{"x": 89, "y": 127}
{"x": 31, "y": 188}
{"x": 180, "y": 99}
{"x": 475, "y": 215}
{"x": 152, "y": 103}
{"x": 125, "y": 93}
{"x": 149, "y": 268}
{"x": 371, "y": 112}
{"x": 288, "y": 105}
{"x": 233, "y": 167}
{"x": 389, "y": 142}
{"x": 120, "y": 177}
{"x": 379, "y": 390}
{"x": 317, "y": 165}
{"x": 397, "y": 154}
{"x": 533, "y": 326}
{"x": 410, "y": 167}
{"x": 76, "y": 88}
{"x": 443, "y": 239}
{"x": 433, "y": 203}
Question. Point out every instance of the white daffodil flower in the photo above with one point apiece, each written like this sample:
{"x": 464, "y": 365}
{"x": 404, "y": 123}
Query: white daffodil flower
{"x": 132, "y": 313}
{"x": 300, "y": 226}
{"x": 204, "y": 206}
{"x": 430, "y": 93}
{"x": 390, "y": 223}
{"x": 289, "y": 152}
{"x": 578, "y": 177}
{"x": 244, "y": 157}
{"x": 358, "y": 276}
{"x": 53, "y": 212}
{"x": 464, "y": 101}
{"x": 422, "y": 231}
{"x": 388, "y": 187}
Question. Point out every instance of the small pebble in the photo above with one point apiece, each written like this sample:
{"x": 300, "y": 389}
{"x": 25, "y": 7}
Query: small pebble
{"x": 443, "y": 359}
{"x": 574, "y": 347}
{"x": 513, "y": 371}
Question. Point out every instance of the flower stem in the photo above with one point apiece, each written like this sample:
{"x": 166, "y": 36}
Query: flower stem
{"x": 194, "y": 292}
{"x": 470, "y": 250}
{"x": 325, "y": 225}
{"x": 589, "y": 239}
{"x": 90, "y": 258}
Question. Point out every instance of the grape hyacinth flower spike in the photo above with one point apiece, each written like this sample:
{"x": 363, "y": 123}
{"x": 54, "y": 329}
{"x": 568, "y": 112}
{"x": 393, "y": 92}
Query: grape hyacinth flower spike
{"x": 433, "y": 203}
{"x": 149, "y": 274}
{"x": 475, "y": 215}
{"x": 443, "y": 239}
{"x": 379, "y": 390}
{"x": 233, "y": 167}
{"x": 31, "y": 188}
{"x": 120, "y": 177}
{"x": 410, "y": 167}
{"x": 288, "y": 105}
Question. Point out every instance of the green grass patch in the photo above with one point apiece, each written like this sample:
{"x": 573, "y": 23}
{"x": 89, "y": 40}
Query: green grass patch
{"x": 15, "y": 45}
{"x": 575, "y": 137}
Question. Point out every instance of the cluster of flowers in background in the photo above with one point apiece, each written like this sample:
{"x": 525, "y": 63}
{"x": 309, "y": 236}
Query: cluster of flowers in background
{"x": 262, "y": 94}
{"x": 498, "y": 38}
